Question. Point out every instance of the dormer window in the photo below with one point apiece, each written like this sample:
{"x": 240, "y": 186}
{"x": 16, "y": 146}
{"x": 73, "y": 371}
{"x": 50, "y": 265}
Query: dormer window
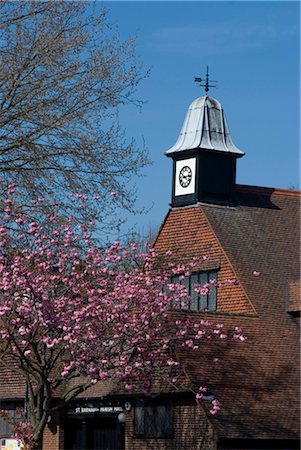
{"x": 293, "y": 304}
{"x": 203, "y": 299}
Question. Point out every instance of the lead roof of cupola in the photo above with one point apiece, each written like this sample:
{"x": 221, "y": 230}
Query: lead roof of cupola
{"x": 205, "y": 127}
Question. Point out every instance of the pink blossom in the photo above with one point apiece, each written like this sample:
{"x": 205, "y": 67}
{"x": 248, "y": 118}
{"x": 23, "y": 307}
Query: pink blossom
{"x": 256, "y": 273}
{"x": 202, "y": 389}
{"x": 215, "y": 407}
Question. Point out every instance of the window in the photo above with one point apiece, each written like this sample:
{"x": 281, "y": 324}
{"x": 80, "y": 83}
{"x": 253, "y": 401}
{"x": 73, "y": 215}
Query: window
{"x": 154, "y": 418}
{"x": 6, "y": 427}
{"x": 199, "y": 301}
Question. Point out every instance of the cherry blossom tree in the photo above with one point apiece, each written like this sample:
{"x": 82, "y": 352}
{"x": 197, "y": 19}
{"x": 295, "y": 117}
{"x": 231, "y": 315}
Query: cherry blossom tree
{"x": 73, "y": 314}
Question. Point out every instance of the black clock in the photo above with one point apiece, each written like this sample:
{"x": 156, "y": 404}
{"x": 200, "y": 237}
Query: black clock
{"x": 185, "y": 176}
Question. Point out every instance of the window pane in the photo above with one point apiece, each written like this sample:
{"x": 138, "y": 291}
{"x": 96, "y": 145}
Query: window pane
{"x": 186, "y": 283}
{"x": 175, "y": 279}
{"x": 4, "y": 428}
{"x": 194, "y": 302}
{"x": 150, "y": 428}
{"x": 164, "y": 416}
{"x": 160, "y": 419}
{"x": 203, "y": 298}
{"x": 212, "y": 293}
{"x": 139, "y": 417}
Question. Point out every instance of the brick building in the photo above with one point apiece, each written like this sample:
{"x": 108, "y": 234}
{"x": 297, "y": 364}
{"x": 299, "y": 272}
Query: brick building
{"x": 247, "y": 234}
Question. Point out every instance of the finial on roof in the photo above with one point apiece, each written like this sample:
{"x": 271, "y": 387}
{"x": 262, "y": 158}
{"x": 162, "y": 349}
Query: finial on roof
{"x": 206, "y": 85}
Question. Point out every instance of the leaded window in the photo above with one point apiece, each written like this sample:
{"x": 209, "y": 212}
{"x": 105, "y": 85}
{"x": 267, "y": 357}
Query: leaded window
{"x": 154, "y": 418}
{"x": 10, "y": 407}
{"x": 200, "y": 300}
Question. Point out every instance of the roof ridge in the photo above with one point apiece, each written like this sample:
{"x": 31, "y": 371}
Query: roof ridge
{"x": 259, "y": 190}
{"x": 161, "y": 228}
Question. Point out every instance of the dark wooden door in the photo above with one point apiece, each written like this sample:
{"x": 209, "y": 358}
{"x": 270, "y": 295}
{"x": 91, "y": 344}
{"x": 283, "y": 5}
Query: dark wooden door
{"x": 101, "y": 433}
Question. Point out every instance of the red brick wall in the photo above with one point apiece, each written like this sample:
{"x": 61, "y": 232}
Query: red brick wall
{"x": 192, "y": 431}
{"x": 53, "y": 438}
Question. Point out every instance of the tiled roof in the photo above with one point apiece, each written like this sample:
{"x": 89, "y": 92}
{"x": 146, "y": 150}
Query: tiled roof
{"x": 12, "y": 385}
{"x": 257, "y": 381}
{"x": 101, "y": 389}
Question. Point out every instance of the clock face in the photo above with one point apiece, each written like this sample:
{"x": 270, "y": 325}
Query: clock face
{"x": 185, "y": 176}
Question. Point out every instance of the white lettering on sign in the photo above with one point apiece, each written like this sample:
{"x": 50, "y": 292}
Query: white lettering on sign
{"x": 100, "y": 409}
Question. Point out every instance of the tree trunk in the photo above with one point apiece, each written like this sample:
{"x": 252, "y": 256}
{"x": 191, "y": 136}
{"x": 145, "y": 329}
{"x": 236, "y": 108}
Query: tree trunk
{"x": 39, "y": 442}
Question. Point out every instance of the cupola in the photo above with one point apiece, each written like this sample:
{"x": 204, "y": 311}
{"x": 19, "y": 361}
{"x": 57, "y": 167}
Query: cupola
{"x": 204, "y": 156}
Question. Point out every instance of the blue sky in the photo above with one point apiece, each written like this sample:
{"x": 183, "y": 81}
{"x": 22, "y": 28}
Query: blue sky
{"x": 252, "y": 49}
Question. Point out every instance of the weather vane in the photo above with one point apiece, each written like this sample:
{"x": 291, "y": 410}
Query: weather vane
{"x": 206, "y": 85}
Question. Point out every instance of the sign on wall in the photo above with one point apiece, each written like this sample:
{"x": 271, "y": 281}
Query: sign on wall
{"x": 94, "y": 408}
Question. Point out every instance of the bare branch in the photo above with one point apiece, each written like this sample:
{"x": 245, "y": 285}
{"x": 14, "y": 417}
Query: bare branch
{"x": 64, "y": 72}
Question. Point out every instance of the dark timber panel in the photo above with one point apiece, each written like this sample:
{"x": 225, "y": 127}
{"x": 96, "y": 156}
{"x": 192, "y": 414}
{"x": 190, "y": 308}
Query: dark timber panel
{"x": 97, "y": 433}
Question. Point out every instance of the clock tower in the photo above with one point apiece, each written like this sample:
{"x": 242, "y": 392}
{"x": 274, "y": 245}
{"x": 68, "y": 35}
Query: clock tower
{"x": 204, "y": 156}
